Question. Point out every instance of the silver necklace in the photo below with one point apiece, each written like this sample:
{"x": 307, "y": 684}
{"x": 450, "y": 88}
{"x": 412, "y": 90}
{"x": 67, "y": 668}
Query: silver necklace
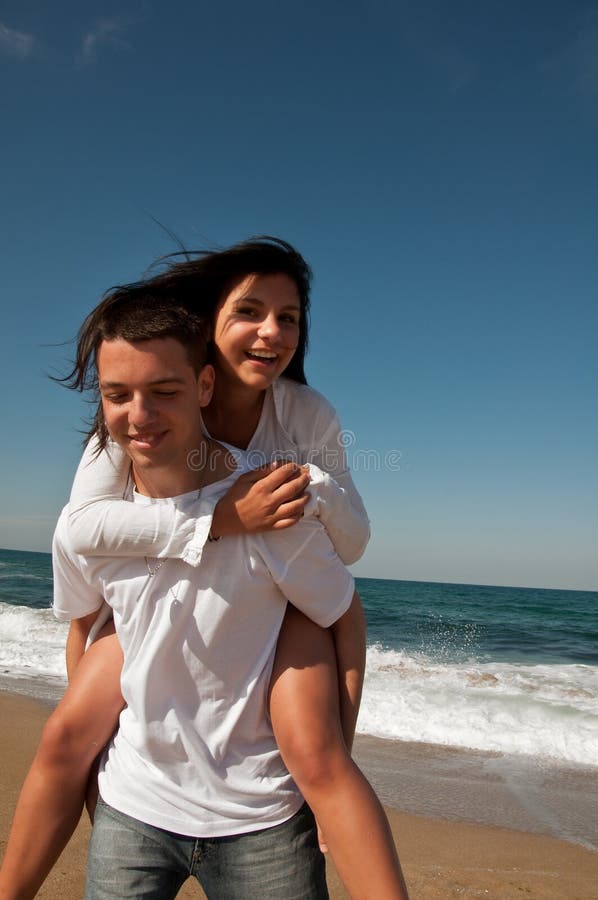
{"x": 151, "y": 572}
{"x": 158, "y": 565}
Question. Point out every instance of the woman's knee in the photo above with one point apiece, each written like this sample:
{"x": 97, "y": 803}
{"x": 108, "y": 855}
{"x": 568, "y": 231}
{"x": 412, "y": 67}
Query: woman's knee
{"x": 306, "y": 721}
{"x": 60, "y": 742}
{"x": 316, "y": 763}
{"x": 75, "y": 733}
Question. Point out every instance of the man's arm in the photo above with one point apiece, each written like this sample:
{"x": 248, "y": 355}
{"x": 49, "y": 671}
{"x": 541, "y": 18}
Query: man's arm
{"x": 349, "y": 633}
{"x": 75, "y": 599}
{"x": 77, "y": 641}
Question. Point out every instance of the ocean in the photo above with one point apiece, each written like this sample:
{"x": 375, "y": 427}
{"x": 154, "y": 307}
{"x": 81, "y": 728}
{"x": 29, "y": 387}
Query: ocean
{"x": 491, "y": 688}
{"x": 487, "y": 668}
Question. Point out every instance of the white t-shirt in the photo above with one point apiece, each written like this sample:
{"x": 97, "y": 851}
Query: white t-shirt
{"x": 296, "y": 422}
{"x": 195, "y": 753}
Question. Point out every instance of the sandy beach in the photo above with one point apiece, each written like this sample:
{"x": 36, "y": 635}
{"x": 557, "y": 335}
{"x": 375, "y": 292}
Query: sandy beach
{"x": 441, "y": 859}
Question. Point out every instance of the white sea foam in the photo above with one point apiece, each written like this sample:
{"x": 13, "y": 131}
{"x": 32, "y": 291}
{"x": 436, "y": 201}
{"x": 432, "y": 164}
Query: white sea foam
{"x": 32, "y": 641}
{"x": 540, "y": 710}
{"x": 23, "y": 576}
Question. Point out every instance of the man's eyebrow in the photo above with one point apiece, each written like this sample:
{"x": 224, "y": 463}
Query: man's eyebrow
{"x": 158, "y": 381}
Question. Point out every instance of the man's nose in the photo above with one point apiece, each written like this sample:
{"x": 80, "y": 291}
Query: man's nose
{"x": 141, "y": 411}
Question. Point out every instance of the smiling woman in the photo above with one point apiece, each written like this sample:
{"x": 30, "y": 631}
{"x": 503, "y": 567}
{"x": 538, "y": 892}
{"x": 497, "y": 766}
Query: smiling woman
{"x": 256, "y": 333}
{"x": 258, "y": 321}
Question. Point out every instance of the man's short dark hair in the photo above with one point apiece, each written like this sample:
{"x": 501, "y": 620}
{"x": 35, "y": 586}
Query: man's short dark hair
{"x": 133, "y": 313}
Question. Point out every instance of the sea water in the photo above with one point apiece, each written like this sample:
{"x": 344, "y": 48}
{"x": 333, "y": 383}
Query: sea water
{"x": 507, "y": 670}
{"x": 510, "y": 670}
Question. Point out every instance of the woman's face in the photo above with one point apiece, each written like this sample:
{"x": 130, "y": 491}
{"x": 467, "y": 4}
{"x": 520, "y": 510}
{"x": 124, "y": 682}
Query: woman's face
{"x": 256, "y": 329}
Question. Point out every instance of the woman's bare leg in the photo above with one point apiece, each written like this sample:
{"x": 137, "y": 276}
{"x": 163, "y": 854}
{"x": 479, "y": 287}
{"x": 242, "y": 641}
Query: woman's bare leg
{"x": 52, "y": 797}
{"x": 304, "y": 707}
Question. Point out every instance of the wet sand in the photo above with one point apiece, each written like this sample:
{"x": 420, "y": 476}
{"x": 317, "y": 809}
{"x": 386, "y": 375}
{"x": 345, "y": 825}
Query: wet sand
{"x": 441, "y": 858}
{"x": 520, "y": 793}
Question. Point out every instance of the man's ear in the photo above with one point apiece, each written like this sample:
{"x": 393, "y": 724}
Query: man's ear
{"x": 205, "y": 385}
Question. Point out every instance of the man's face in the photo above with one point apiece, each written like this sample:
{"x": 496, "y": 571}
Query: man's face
{"x": 151, "y": 399}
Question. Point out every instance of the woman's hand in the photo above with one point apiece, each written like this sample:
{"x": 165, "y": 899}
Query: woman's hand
{"x": 264, "y": 499}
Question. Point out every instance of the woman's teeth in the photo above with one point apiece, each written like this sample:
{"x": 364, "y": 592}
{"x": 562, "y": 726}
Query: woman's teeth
{"x": 261, "y": 355}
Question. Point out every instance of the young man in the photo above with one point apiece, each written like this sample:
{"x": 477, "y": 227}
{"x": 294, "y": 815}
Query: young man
{"x": 193, "y": 782}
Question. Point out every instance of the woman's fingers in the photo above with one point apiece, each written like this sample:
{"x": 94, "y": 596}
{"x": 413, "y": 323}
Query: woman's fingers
{"x": 270, "y": 497}
{"x": 275, "y": 475}
{"x": 281, "y": 485}
{"x": 291, "y": 511}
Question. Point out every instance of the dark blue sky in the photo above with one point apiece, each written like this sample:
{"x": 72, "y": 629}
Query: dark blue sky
{"x": 436, "y": 164}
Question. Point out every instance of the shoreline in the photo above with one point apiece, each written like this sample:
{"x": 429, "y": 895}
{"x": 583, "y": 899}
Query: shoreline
{"x": 524, "y": 794}
{"x": 442, "y": 858}
{"x": 535, "y": 795}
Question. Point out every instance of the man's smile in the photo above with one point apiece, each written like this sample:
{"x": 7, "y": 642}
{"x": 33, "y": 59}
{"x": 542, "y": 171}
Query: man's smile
{"x": 146, "y": 440}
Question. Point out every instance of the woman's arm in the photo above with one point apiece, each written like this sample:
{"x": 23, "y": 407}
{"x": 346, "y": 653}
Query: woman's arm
{"x": 101, "y": 522}
{"x": 340, "y": 509}
{"x": 339, "y": 505}
{"x": 312, "y": 425}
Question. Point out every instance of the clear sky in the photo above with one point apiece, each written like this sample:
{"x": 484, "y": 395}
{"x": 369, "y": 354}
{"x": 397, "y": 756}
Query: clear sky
{"x": 437, "y": 164}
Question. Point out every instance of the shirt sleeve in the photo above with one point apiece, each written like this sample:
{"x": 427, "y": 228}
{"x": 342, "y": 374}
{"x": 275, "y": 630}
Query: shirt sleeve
{"x": 101, "y": 522}
{"x": 304, "y": 564}
{"x": 340, "y": 508}
{"x": 335, "y": 499}
{"x": 74, "y": 597}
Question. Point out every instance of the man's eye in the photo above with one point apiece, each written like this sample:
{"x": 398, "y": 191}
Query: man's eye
{"x": 165, "y": 393}
{"x": 115, "y": 398}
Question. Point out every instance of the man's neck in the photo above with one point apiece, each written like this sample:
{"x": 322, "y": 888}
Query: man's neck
{"x": 208, "y": 463}
{"x": 163, "y": 482}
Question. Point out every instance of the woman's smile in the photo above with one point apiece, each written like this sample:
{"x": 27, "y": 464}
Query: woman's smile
{"x": 256, "y": 331}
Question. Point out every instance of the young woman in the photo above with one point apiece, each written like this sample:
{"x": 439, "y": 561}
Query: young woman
{"x": 256, "y": 294}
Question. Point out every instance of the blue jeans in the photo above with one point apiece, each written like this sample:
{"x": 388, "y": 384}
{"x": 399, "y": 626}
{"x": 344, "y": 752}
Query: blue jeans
{"x": 128, "y": 859}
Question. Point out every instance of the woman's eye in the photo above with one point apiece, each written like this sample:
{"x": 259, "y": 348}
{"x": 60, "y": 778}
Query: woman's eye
{"x": 289, "y": 320}
{"x": 247, "y": 311}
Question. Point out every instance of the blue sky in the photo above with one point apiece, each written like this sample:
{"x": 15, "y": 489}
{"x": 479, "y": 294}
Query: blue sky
{"x": 435, "y": 163}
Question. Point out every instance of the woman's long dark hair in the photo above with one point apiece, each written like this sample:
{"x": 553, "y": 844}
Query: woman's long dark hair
{"x": 197, "y": 283}
{"x": 203, "y": 278}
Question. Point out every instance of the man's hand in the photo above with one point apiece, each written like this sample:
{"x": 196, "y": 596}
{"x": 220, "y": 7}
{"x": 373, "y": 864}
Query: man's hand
{"x": 264, "y": 499}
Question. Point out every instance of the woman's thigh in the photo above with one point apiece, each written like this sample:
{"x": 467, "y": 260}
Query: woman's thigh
{"x": 304, "y": 693}
{"x": 87, "y": 715}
